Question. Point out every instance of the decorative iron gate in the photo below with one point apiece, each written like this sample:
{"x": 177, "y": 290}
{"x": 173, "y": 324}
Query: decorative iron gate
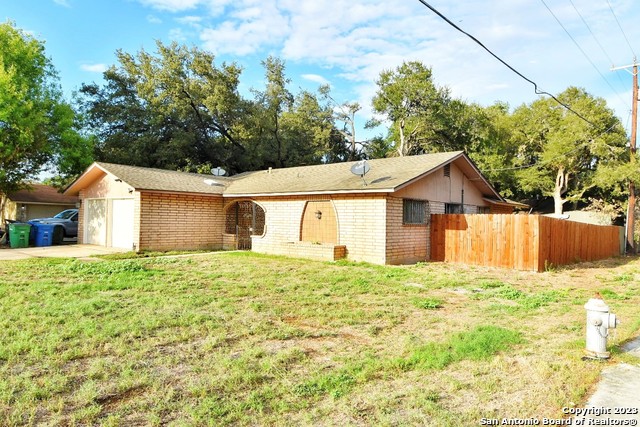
{"x": 244, "y": 219}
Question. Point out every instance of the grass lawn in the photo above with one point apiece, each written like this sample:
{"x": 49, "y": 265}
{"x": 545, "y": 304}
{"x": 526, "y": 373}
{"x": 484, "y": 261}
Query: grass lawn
{"x": 244, "y": 339}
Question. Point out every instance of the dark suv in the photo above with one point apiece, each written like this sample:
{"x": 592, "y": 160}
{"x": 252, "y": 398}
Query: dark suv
{"x": 66, "y": 224}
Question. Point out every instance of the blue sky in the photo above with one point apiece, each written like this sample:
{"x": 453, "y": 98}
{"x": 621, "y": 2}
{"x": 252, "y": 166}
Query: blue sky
{"x": 346, "y": 43}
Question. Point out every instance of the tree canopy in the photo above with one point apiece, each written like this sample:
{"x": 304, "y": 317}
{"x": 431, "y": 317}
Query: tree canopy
{"x": 37, "y": 127}
{"x": 177, "y": 109}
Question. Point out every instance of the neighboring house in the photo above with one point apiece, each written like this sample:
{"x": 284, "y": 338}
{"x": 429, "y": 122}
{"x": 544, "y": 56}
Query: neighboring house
{"x": 321, "y": 211}
{"x": 39, "y": 201}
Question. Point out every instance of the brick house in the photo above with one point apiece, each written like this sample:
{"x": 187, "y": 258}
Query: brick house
{"x": 321, "y": 212}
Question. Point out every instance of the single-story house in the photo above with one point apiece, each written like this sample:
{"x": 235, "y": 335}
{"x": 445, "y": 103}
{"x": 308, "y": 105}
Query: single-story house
{"x": 321, "y": 211}
{"x": 37, "y": 201}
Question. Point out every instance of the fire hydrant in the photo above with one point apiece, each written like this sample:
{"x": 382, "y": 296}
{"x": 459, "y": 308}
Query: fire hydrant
{"x": 599, "y": 321}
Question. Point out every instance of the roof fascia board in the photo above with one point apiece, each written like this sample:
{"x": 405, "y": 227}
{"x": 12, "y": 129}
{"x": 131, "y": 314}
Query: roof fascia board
{"x": 43, "y": 203}
{"x": 143, "y": 190}
{"x": 309, "y": 193}
{"x": 475, "y": 168}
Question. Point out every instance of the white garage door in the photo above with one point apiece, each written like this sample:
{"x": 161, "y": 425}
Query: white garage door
{"x": 122, "y": 224}
{"x": 96, "y": 222}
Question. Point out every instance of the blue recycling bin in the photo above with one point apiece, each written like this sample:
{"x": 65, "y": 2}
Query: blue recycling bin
{"x": 44, "y": 234}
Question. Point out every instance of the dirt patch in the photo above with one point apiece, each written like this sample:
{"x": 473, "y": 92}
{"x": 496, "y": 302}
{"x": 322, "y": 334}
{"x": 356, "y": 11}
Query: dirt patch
{"x": 111, "y": 401}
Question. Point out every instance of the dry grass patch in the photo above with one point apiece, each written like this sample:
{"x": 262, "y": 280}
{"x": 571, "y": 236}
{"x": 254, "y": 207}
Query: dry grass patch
{"x": 244, "y": 339}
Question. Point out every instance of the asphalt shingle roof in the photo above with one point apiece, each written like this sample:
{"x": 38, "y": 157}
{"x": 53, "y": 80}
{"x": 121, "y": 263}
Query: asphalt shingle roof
{"x": 39, "y": 193}
{"x": 165, "y": 180}
{"x": 384, "y": 175}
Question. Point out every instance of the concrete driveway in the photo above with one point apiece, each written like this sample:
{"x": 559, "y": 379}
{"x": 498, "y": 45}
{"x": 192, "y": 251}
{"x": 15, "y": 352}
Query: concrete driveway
{"x": 62, "y": 251}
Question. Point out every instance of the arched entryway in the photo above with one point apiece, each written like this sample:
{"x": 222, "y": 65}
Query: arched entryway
{"x": 244, "y": 219}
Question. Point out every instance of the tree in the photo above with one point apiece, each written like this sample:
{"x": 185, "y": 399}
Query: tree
{"x": 37, "y": 127}
{"x": 292, "y": 129}
{"x": 562, "y": 155}
{"x": 346, "y": 113}
{"x": 493, "y": 148}
{"x": 410, "y": 101}
{"x": 174, "y": 109}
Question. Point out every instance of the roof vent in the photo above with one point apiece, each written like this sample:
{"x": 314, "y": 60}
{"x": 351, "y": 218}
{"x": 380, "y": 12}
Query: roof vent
{"x": 447, "y": 170}
{"x": 212, "y": 182}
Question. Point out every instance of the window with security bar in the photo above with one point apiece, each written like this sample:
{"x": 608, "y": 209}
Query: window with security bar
{"x": 415, "y": 211}
{"x": 453, "y": 208}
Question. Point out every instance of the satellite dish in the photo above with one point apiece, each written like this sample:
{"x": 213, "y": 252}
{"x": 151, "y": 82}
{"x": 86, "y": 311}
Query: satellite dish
{"x": 361, "y": 168}
{"x": 211, "y": 182}
{"x": 218, "y": 171}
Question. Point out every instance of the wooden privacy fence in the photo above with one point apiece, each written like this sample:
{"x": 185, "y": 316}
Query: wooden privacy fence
{"x": 522, "y": 242}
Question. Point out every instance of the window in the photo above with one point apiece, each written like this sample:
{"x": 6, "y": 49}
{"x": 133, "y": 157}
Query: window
{"x": 484, "y": 209}
{"x": 415, "y": 211}
{"x": 453, "y": 208}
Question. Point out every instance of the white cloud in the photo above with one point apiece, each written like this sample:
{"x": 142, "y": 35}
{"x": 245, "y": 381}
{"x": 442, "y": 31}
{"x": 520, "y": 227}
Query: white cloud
{"x": 94, "y": 68}
{"x": 353, "y": 40}
{"x": 64, "y": 3}
{"x": 152, "y": 19}
{"x": 171, "y": 5}
{"x": 250, "y": 29}
{"x": 315, "y": 78}
{"x": 191, "y": 21}
{"x": 176, "y": 34}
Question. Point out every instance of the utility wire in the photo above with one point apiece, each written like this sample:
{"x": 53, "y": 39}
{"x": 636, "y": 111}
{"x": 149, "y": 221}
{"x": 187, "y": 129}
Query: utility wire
{"x": 582, "y": 50}
{"x": 597, "y": 41}
{"x": 623, "y": 33}
{"x": 535, "y": 85}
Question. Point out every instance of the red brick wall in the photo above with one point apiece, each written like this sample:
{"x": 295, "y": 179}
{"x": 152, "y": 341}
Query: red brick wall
{"x": 180, "y": 221}
{"x": 406, "y": 243}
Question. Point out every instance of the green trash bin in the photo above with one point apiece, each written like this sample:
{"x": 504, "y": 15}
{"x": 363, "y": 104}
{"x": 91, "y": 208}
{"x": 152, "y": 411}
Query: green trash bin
{"x": 19, "y": 235}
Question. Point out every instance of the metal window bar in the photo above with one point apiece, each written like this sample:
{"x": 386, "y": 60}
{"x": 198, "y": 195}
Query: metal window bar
{"x": 415, "y": 211}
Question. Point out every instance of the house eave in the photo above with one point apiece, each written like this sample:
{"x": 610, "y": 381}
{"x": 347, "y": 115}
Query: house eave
{"x": 310, "y": 193}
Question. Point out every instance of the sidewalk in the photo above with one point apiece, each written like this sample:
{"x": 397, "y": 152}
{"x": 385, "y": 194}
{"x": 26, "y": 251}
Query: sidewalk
{"x": 61, "y": 251}
{"x": 618, "y": 391}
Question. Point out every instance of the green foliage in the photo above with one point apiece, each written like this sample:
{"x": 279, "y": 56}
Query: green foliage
{"x": 424, "y": 118}
{"x": 525, "y": 301}
{"x": 480, "y": 343}
{"x": 37, "y": 127}
{"x": 570, "y": 155}
{"x": 177, "y": 109}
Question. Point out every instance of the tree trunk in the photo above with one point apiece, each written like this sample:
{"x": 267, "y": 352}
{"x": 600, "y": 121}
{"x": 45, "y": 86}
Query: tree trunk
{"x": 402, "y": 142}
{"x": 353, "y": 136}
{"x": 560, "y": 188}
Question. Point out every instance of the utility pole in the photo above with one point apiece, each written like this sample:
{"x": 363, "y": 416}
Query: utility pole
{"x": 632, "y": 148}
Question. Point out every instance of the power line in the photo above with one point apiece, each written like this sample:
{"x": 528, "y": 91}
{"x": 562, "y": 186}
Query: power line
{"x": 596, "y": 39}
{"x": 535, "y": 85}
{"x": 620, "y": 26}
{"x": 580, "y": 48}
